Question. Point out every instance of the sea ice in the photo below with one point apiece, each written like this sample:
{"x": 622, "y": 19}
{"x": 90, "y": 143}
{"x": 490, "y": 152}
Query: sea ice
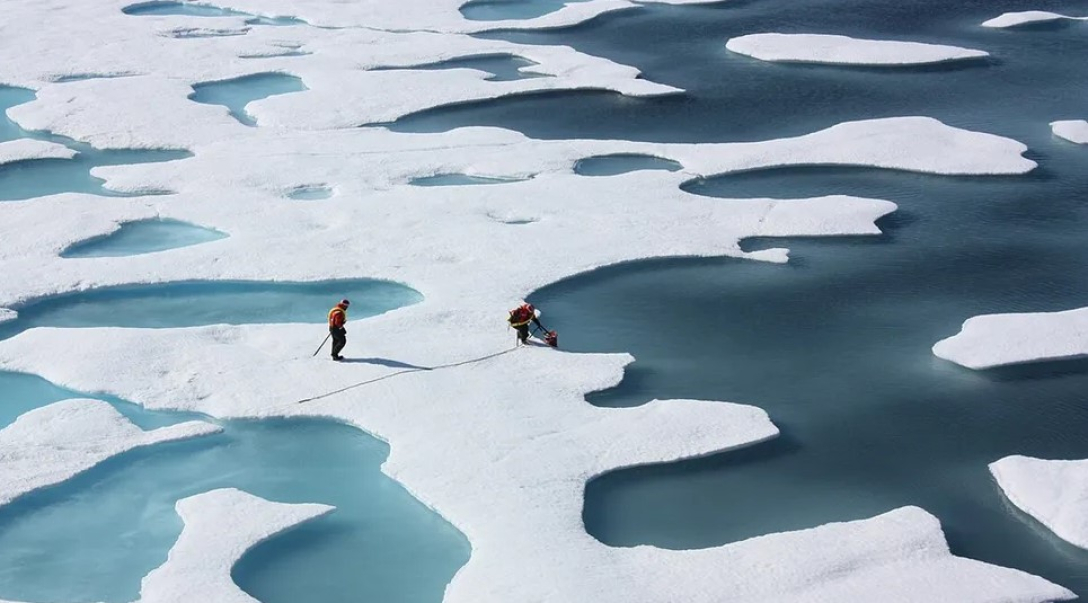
{"x": 844, "y": 50}
{"x": 1053, "y": 492}
{"x": 49, "y": 445}
{"x": 220, "y": 526}
{"x": 1028, "y": 17}
{"x": 538, "y": 453}
{"x": 464, "y": 422}
{"x": 26, "y": 149}
{"x": 7, "y": 315}
{"x": 1071, "y": 130}
{"x": 998, "y": 339}
{"x": 262, "y": 223}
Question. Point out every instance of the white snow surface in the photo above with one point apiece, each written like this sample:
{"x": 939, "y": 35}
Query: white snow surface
{"x": 844, "y": 50}
{"x": 25, "y": 149}
{"x": 532, "y": 450}
{"x": 51, "y": 444}
{"x": 994, "y": 340}
{"x": 473, "y": 426}
{"x": 7, "y": 315}
{"x": 1027, "y": 17}
{"x": 1053, "y": 492}
{"x": 220, "y": 526}
{"x": 1075, "y": 130}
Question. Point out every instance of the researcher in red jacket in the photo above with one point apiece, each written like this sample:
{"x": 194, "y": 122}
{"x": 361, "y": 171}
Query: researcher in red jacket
{"x": 338, "y": 317}
{"x": 521, "y": 317}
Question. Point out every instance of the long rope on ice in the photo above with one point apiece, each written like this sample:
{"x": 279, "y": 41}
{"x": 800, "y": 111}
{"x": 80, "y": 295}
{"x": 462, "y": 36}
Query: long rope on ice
{"x": 408, "y": 370}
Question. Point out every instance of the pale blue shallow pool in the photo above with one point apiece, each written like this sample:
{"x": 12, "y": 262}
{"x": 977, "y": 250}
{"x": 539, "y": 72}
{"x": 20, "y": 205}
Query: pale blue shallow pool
{"x": 458, "y": 180}
{"x": 143, "y": 236}
{"x": 94, "y": 537}
{"x": 235, "y": 94}
{"x": 188, "y": 9}
{"x": 501, "y": 67}
{"x": 199, "y": 303}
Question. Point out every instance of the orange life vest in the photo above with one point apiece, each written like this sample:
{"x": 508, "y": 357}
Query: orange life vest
{"x": 337, "y": 317}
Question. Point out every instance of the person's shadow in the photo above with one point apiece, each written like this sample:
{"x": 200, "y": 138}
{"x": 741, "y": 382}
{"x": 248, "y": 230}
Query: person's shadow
{"x": 385, "y": 362}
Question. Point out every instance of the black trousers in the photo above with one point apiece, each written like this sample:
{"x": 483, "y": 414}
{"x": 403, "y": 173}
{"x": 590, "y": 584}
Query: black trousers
{"x": 523, "y": 330}
{"x": 339, "y": 339}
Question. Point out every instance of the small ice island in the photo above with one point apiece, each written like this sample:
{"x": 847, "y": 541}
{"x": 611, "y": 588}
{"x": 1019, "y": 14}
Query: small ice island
{"x": 1053, "y": 492}
{"x": 844, "y": 50}
{"x": 994, "y": 340}
{"x": 1028, "y": 17}
{"x": 1075, "y": 130}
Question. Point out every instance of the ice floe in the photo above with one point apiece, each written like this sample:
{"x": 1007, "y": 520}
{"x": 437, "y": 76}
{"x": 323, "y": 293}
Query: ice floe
{"x": 372, "y": 194}
{"x": 999, "y": 339}
{"x": 539, "y": 446}
{"x": 844, "y": 50}
{"x": 1028, "y": 17}
{"x": 531, "y": 449}
{"x": 1071, "y": 130}
{"x": 460, "y": 424}
{"x": 1053, "y": 492}
{"x": 26, "y": 149}
{"x": 329, "y": 60}
{"x": 51, "y": 444}
{"x": 7, "y": 315}
{"x": 220, "y": 526}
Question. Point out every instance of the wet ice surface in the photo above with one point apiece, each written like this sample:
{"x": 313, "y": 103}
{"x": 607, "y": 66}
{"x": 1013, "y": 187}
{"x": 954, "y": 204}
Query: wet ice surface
{"x": 144, "y": 236}
{"x": 189, "y": 9}
{"x": 23, "y": 392}
{"x": 458, "y": 180}
{"x": 310, "y": 193}
{"x": 611, "y": 165}
{"x": 235, "y": 94}
{"x": 106, "y": 529}
{"x": 501, "y": 10}
{"x": 502, "y": 68}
